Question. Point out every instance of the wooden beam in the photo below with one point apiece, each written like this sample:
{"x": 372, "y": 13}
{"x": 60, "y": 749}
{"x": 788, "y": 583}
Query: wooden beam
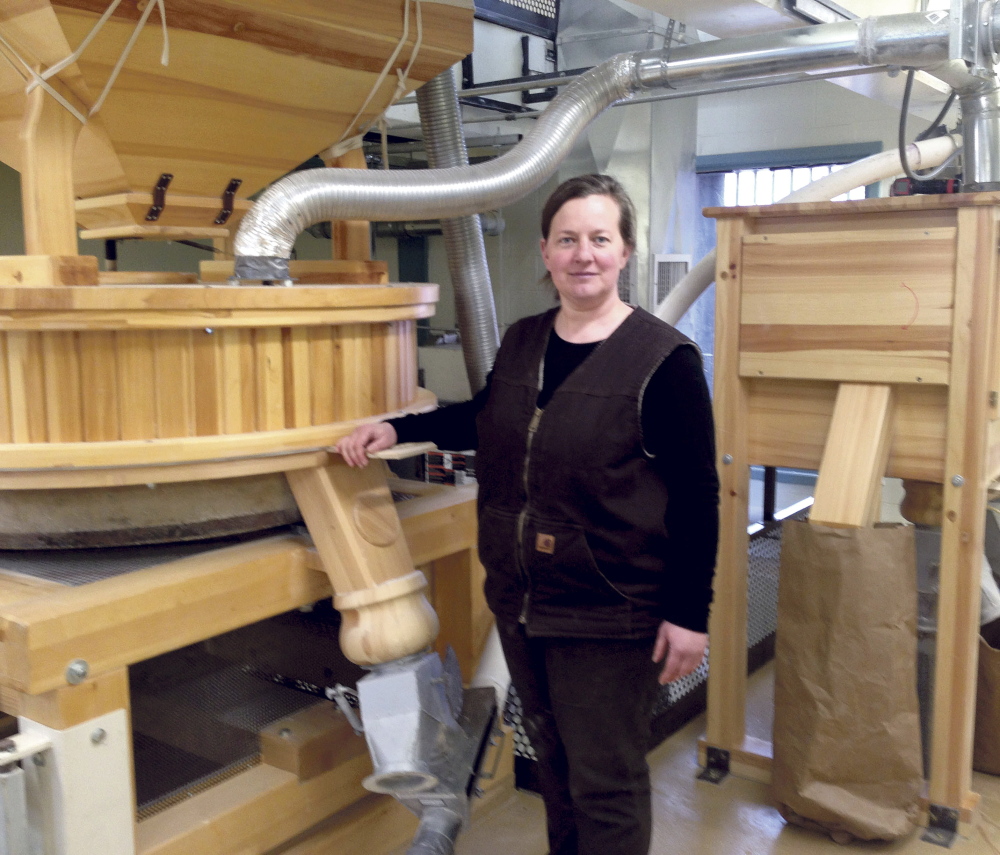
{"x": 727, "y": 674}
{"x": 48, "y": 140}
{"x": 849, "y": 486}
{"x": 962, "y": 528}
{"x": 352, "y": 520}
{"x": 47, "y": 271}
{"x": 132, "y": 617}
{"x": 71, "y": 705}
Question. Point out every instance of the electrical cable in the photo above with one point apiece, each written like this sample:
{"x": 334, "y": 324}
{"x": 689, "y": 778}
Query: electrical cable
{"x": 901, "y": 141}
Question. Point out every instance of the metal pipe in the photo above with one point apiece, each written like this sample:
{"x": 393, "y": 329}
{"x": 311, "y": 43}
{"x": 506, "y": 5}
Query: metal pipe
{"x": 268, "y": 232}
{"x": 463, "y": 236}
{"x": 436, "y": 835}
{"x": 981, "y": 132}
{"x": 491, "y": 222}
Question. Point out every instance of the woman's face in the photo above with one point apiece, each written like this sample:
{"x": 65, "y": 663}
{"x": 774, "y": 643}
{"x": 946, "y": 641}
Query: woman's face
{"x": 585, "y": 252}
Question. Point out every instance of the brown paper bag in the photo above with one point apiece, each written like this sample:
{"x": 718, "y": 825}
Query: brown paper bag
{"x": 846, "y": 718}
{"x": 986, "y": 747}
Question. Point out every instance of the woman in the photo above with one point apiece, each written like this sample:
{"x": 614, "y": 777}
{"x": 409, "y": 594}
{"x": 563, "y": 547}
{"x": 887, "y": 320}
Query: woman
{"x": 598, "y": 518}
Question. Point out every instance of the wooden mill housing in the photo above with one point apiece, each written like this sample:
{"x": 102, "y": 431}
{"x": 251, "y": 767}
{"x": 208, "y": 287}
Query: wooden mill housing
{"x": 111, "y": 380}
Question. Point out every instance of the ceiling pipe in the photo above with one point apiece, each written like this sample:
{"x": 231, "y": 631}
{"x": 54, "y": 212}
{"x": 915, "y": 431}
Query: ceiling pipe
{"x": 268, "y": 232}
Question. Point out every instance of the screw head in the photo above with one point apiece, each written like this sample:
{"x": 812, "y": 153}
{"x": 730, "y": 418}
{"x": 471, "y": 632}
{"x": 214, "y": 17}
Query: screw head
{"x": 98, "y": 735}
{"x": 727, "y": 459}
{"x": 957, "y": 480}
{"x": 285, "y": 733}
{"x": 38, "y": 759}
{"x": 76, "y": 671}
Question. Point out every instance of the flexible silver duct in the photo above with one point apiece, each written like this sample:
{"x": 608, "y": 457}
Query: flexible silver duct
{"x": 289, "y": 206}
{"x": 436, "y": 835}
{"x": 437, "y": 101}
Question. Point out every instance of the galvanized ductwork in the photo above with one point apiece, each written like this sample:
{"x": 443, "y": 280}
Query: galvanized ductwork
{"x": 918, "y": 40}
{"x": 437, "y": 101}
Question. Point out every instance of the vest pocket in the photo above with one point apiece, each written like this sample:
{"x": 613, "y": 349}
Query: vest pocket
{"x": 562, "y": 569}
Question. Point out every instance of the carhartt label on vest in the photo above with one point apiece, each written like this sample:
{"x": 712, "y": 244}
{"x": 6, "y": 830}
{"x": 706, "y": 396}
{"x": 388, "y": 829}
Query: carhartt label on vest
{"x": 545, "y": 543}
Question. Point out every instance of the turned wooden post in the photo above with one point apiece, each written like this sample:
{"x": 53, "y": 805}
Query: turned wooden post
{"x": 354, "y": 524}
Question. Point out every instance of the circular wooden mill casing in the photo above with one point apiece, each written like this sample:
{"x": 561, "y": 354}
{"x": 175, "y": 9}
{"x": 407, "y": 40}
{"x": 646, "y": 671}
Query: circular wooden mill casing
{"x": 139, "y": 414}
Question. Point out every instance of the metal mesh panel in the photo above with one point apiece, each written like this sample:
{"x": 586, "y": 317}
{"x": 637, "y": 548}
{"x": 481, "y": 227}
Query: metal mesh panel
{"x": 196, "y": 720}
{"x": 539, "y": 7}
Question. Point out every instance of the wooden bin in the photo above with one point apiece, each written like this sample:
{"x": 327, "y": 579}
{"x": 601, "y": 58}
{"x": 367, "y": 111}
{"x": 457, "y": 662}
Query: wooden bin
{"x": 859, "y": 339}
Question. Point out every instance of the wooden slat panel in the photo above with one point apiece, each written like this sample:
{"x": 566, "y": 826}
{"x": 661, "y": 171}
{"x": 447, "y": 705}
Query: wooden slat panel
{"x": 233, "y": 343}
{"x": 137, "y": 384}
{"x": 847, "y": 365}
{"x": 354, "y": 368}
{"x": 99, "y": 375}
{"x": 270, "y": 378}
{"x": 383, "y": 374}
{"x": 28, "y": 424}
{"x": 6, "y": 402}
{"x": 325, "y": 375}
{"x": 788, "y": 423}
{"x": 820, "y": 304}
{"x": 396, "y": 370}
{"x": 298, "y": 377}
{"x": 174, "y": 369}
{"x": 63, "y": 404}
{"x": 208, "y": 378}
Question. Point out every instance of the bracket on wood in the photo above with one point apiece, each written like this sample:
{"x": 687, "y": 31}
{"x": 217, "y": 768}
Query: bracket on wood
{"x": 716, "y": 765}
{"x": 159, "y": 197}
{"x": 942, "y": 826}
{"x": 228, "y": 201}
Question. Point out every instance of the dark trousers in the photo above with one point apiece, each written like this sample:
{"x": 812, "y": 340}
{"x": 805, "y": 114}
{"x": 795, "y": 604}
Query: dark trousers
{"x": 586, "y": 707}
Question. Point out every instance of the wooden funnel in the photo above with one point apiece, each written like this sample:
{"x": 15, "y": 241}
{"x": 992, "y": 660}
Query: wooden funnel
{"x": 251, "y": 89}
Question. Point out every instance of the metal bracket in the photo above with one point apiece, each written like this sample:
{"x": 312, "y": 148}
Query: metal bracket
{"x": 159, "y": 197}
{"x": 228, "y": 201}
{"x": 716, "y": 765}
{"x": 942, "y": 826}
{"x": 347, "y": 701}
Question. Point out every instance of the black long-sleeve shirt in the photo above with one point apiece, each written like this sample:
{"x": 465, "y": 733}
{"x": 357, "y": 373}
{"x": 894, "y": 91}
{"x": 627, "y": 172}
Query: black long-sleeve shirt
{"x": 681, "y": 441}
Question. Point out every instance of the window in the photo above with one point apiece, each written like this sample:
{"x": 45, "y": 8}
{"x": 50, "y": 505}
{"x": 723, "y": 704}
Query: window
{"x": 764, "y": 186}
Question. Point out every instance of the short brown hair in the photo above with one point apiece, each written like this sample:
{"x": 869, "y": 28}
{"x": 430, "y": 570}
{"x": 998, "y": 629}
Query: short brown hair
{"x": 593, "y": 185}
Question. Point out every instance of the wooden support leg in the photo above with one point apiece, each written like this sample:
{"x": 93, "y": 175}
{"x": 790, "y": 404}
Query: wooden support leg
{"x": 48, "y": 138}
{"x": 86, "y": 785}
{"x": 353, "y": 522}
{"x": 962, "y": 526}
{"x": 849, "y": 486}
{"x": 727, "y": 672}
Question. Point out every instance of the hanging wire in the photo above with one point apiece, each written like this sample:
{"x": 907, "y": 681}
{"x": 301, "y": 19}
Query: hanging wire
{"x": 930, "y": 131}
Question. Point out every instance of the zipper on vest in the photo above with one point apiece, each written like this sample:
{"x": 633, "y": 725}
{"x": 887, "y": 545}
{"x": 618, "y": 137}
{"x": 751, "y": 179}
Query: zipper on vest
{"x": 522, "y": 517}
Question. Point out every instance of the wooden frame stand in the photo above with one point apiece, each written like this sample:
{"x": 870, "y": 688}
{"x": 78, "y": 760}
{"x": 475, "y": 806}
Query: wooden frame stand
{"x": 860, "y": 339}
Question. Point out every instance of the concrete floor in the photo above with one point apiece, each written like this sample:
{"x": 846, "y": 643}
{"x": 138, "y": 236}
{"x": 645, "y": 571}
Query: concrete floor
{"x": 735, "y": 817}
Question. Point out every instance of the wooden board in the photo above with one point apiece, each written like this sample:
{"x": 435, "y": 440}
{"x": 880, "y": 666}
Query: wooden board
{"x": 47, "y": 271}
{"x": 849, "y": 487}
{"x": 130, "y": 209}
{"x": 333, "y": 272}
{"x": 860, "y": 306}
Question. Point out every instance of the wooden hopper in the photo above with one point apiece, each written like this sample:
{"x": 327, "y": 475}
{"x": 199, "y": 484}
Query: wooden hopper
{"x": 251, "y": 89}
